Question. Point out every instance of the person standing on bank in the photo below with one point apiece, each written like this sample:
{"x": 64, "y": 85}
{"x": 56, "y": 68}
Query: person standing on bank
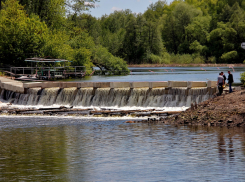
{"x": 220, "y": 83}
{"x": 230, "y": 81}
{"x": 222, "y": 73}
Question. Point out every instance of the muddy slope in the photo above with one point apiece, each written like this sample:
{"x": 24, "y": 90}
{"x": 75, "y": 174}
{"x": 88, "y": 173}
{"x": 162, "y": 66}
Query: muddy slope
{"x": 225, "y": 110}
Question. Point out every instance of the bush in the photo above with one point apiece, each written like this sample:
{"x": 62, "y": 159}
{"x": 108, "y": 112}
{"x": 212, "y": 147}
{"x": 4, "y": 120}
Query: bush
{"x": 158, "y": 59}
{"x": 211, "y": 60}
{"x": 242, "y": 79}
{"x": 181, "y": 59}
{"x": 229, "y": 56}
{"x": 198, "y": 60}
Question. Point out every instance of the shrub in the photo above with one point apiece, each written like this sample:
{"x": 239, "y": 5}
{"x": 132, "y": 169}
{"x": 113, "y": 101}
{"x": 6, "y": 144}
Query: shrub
{"x": 229, "y": 56}
{"x": 181, "y": 59}
{"x": 158, "y": 59}
{"x": 242, "y": 79}
{"x": 211, "y": 60}
{"x": 198, "y": 60}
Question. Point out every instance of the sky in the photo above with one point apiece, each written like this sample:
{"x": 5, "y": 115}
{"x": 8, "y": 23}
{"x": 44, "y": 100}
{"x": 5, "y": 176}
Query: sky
{"x": 109, "y": 6}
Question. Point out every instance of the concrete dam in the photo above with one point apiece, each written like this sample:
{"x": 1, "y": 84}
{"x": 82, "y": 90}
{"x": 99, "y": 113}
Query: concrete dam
{"x": 107, "y": 94}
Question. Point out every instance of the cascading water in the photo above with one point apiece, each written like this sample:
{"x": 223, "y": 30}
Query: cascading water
{"x": 106, "y": 97}
{"x": 48, "y": 96}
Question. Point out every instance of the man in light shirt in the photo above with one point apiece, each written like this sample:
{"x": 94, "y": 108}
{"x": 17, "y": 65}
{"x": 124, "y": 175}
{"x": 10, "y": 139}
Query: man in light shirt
{"x": 220, "y": 83}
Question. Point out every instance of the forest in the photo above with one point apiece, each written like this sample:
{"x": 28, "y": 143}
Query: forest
{"x": 182, "y": 32}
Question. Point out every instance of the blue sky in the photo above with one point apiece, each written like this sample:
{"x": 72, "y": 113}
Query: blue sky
{"x": 109, "y": 6}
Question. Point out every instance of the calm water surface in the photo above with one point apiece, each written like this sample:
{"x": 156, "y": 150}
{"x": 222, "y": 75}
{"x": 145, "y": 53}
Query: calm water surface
{"x": 95, "y": 149}
{"x": 168, "y": 74}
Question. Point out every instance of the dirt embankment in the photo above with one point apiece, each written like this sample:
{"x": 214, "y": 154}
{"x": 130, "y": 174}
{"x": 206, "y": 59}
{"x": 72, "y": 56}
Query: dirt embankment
{"x": 186, "y": 65}
{"x": 224, "y": 110}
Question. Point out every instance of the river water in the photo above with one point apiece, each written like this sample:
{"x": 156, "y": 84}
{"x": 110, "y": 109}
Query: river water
{"x": 168, "y": 74}
{"x": 95, "y": 149}
{"x": 108, "y": 149}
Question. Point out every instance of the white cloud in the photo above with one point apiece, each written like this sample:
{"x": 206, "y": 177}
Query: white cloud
{"x": 116, "y": 9}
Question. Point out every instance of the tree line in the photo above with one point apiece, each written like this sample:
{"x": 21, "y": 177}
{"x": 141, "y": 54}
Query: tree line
{"x": 189, "y": 31}
{"x": 184, "y": 31}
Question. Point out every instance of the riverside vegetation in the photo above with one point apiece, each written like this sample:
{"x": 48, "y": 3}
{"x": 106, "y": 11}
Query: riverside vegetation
{"x": 182, "y": 32}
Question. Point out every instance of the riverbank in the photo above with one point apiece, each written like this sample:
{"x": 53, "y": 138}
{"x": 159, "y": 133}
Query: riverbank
{"x": 185, "y": 65}
{"x": 225, "y": 110}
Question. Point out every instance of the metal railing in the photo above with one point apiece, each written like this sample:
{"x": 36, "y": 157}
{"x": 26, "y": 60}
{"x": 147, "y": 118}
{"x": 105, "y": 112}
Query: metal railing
{"x": 50, "y": 72}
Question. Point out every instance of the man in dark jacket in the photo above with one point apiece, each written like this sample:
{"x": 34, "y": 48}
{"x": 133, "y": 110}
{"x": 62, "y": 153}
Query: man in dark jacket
{"x": 230, "y": 81}
{"x": 222, "y": 73}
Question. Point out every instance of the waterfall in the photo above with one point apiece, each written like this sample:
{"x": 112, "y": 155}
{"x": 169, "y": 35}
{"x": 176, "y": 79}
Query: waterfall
{"x": 107, "y": 97}
{"x": 83, "y": 97}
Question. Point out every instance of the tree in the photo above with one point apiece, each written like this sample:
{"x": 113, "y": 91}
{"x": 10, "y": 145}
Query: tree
{"x": 50, "y": 11}
{"x": 106, "y": 61}
{"x": 174, "y": 29}
{"x": 79, "y": 6}
{"x": 21, "y": 36}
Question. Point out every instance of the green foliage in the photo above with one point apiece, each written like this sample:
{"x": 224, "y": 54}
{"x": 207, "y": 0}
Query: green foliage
{"x": 56, "y": 46}
{"x": 242, "y": 79}
{"x": 20, "y": 36}
{"x": 182, "y": 32}
{"x": 78, "y": 6}
{"x": 23, "y": 35}
{"x": 196, "y": 47}
{"x": 211, "y": 60}
{"x": 229, "y": 56}
{"x": 181, "y": 59}
{"x": 106, "y": 61}
{"x": 159, "y": 59}
{"x": 186, "y": 59}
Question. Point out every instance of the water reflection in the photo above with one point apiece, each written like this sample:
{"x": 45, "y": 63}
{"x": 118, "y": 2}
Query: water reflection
{"x": 32, "y": 154}
{"x": 85, "y": 149}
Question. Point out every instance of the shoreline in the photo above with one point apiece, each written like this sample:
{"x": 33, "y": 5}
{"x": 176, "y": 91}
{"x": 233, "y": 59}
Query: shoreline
{"x": 225, "y": 110}
{"x": 185, "y": 65}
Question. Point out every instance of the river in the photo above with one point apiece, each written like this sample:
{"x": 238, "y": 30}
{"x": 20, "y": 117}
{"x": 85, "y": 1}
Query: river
{"x": 41, "y": 148}
{"x": 95, "y": 149}
{"x": 168, "y": 74}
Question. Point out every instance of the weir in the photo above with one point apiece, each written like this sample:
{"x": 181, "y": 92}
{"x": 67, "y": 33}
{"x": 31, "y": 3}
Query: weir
{"x": 106, "y": 94}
